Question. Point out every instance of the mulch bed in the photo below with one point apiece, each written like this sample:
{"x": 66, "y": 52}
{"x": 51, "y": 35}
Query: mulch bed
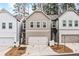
{"x": 61, "y": 49}
{"x": 16, "y": 51}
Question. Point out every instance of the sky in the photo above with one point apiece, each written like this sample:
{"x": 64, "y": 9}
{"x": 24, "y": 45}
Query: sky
{"x": 9, "y": 7}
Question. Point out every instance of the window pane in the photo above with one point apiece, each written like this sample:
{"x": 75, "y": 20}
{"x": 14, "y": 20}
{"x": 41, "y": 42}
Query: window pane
{"x": 54, "y": 23}
{"x": 70, "y": 23}
{"x": 3, "y": 25}
{"x": 31, "y": 24}
{"x": 76, "y": 23}
{"x": 44, "y": 24}
{"x": 38, "y": 24}
{"x": 64, "y": 23}
{"x": 10, "y": 25}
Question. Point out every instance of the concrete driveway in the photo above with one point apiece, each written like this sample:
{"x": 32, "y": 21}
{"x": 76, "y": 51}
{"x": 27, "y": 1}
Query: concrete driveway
{"x": 39, "y": 50}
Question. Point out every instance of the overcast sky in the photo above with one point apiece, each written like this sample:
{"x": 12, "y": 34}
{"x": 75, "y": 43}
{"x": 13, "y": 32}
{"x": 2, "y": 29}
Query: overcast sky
{"x": 9, "y": 7}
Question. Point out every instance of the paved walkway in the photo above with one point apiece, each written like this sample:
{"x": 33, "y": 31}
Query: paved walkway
{"x": 39, "y": 50}
{"x": 4, "y": 49}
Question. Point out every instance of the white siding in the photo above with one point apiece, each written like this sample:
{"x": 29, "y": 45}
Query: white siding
{"x": 70, "y": 15}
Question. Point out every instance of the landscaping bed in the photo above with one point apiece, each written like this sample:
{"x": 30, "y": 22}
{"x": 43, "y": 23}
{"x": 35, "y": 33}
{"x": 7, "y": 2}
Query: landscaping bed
{"x": 16, "y": 51}
{"x": 61, "y": 49}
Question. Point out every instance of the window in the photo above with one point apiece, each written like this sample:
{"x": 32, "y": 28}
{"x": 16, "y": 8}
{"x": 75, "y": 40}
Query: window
{"x": 10, "y": 25}
{"x": 38, "y": 24}
{"x": 70, "y": 23}
{"x": 3, "y": 25}
{"x": 54, "y": 24}
{"x": 64, "y": 23}
{"x": 31, "y": 24}
{"x": 24, "y": 25}
{"x": 44, "y": 24}
{"x": 76, "y": 23}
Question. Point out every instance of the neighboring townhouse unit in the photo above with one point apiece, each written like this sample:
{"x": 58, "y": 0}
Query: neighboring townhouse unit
{"x": 8, "y": 29}
{"x": 69, "y": 27}
{"x": 38, "y": 28}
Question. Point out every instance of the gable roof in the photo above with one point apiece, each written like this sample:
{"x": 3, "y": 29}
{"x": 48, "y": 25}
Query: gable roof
{"x": 70, "y": 9}
{"x": 38, "y": 11}
{"x": 5, "y": 11}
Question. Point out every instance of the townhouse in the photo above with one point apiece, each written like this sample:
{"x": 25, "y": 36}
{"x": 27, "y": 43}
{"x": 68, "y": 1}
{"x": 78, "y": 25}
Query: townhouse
{"x": 9, "y": 32}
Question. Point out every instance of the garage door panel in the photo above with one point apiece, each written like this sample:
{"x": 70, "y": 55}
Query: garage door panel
{"x": 6, "y": 41}
{"x": 38, "y": 41}
{"x": 70, "y": 38}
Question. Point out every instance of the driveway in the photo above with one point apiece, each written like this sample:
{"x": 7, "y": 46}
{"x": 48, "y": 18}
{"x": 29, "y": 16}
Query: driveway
{"x": 38, "y": 50}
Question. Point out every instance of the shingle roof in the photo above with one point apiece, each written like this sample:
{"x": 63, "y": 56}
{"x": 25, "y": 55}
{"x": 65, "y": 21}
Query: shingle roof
{"x": 53, "y": 17}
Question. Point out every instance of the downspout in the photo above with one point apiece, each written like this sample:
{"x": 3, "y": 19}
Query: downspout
{"x": 17, "y": 32}
{"x": 58, "y": 31}
{"x": 15, "y": 42}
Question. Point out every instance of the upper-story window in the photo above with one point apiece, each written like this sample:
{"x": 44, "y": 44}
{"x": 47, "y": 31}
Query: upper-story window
{"x": 38, "y": 24}
{"x": 3, "y": 25}
{"x": 76, "y": 23}
{"x": 64, "y": 23}
{"x": 54, "y": 24}
{"x": 44, "y": 24}
{"x": 24, "y": 25}
{"x": 31, "y": 24}
{"x": 10, "y": 25}
{"x": 70, "y": 23}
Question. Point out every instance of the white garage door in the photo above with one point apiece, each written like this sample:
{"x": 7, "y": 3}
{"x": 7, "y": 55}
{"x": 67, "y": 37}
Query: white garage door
{"x": 70, "y": 38}
{"x": 38, "y": 41}
{"x": 7, "y": 41}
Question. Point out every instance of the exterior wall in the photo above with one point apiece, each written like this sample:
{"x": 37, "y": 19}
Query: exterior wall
{"x": 38, "y": 17}
{"x": 57, "y": 25}
{"x": 69, "y": 15}
{"x": 6, "y": 18}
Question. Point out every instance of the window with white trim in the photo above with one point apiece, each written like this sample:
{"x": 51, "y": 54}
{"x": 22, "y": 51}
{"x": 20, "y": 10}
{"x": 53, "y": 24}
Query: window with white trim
{"x": 44, "y": 24}
{"x": 3, "y": 25}
{"x": 76, "y": 23}
{"x": 64, "y": 23}
{"x": 38, "y": 24}
{"x": 54, "y": 24}
{"x": 70, "y": 23}
{"x": 31, "y": 24}
{"x": 10, "y": 25}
